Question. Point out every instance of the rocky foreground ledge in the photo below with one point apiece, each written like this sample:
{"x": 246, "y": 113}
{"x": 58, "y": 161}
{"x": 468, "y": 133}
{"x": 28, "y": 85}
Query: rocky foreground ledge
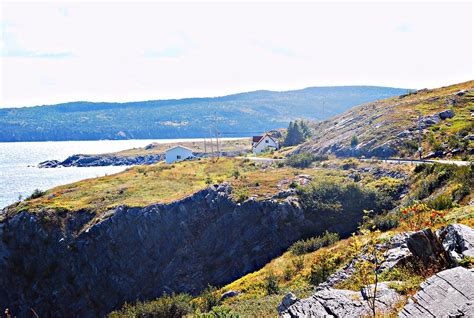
{"x": 448, "y": 293}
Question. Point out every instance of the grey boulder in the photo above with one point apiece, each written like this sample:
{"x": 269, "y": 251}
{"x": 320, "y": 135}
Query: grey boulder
{"x": 445, "y": 114}
{"x": 458, "y": 240}
{"x": 427, "y": 249}
{"x": 330, "y": 302}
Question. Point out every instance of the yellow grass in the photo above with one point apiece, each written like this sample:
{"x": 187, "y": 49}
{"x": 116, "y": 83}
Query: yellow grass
{"x": 163, "y": 183}
{"x": 241, "y": 145}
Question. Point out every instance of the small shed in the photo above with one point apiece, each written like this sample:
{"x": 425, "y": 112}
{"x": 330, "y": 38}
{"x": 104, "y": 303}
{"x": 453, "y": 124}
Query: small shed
{"x": 178, "y": 153}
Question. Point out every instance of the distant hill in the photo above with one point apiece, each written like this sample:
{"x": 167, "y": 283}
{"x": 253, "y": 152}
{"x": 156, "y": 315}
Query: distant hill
{"x": 389, "y": 127}
{"x": 241, "y": 114}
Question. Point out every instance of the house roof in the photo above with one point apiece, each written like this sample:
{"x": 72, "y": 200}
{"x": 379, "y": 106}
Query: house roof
{"x": 256, "y": 138}
{"x": 182, "y": 147}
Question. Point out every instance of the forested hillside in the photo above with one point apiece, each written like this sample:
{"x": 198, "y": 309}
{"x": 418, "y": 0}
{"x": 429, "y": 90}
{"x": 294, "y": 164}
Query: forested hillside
{"x": 235, "y": 115}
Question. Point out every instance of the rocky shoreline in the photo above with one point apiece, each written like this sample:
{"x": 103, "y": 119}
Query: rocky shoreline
{"x": 101, "y": 160}
{"x": 114, "y": 160}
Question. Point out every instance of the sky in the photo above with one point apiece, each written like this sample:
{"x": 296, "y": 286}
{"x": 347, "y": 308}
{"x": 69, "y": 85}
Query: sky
{"x": 53, "y": 52}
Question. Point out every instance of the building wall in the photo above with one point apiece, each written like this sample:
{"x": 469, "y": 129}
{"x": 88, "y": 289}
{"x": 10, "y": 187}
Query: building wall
{"x": 178, "y": 154}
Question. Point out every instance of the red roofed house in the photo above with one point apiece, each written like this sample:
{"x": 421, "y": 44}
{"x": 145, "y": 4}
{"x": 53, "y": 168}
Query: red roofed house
{"x": 262, "y": 143}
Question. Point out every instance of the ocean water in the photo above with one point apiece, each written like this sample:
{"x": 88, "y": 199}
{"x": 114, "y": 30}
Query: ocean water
{"x": 19, "y": 174}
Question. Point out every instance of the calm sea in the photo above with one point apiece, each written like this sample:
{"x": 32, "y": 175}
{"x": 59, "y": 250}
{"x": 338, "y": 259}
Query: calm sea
{"x": 19, "y": 174}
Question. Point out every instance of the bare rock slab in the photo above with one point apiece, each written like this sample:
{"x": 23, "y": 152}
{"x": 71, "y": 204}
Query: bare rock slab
{"x": 331, "y": 302}
{"x": 449, "y": 293}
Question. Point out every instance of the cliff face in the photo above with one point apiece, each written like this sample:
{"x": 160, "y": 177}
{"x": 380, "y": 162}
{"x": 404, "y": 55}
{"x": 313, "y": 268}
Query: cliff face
{"x": 138, "y": 253}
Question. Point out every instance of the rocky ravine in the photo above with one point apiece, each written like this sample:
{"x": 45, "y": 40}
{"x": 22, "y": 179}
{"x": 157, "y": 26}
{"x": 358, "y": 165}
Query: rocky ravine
{"x": 85, "y": 270}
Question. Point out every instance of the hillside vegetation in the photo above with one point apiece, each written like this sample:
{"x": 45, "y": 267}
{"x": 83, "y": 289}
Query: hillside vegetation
{"x": 236, "y": 115}
{"x": 140, "y": 186}
{"x": 390, "y": 127}
{"x": 308, "y": 263}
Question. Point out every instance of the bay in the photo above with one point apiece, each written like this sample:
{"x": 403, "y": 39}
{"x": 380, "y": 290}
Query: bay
{"x": 20, "y": 176}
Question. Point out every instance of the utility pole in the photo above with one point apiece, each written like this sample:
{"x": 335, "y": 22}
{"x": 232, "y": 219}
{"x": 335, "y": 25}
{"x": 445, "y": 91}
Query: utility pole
{"x": 420, "y": 150}
{"x": 218, "y": 145}
{"x": 217, "y": 136}
{"x": 212, "y": 146}
{"x": 205, "y": 148}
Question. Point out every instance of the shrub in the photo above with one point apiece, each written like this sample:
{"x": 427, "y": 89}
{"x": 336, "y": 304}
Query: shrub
{"x": 298, "y": 263}
{"x": 419, "y": 168}
{"x": 329, "y": 201}
{"x": 241, "y": 194}
{"x": 293, "y": 185}
{"x": 382, "y": 222}
{"x": 349, "y": 164}
{"x": 36, "y": 194}
{"x": 288, "y": 273}
{"x": 433, "y": 176}
{"x": 208, "y": 299}
{"x": 219, "y": 312}
{"x": 304, "y": 159}
{"x": 354, "y": 141}
{"x": 419, "y": 215}
{"x": 411, "y": 145}
{"x": 208, "y": 180}
{"x": 467, "y": 261}
{"x": 271, "y": 284}
{"x": 323, "y": 266}
{"x": 405, "y": 279}
{"x": 368, "y": 266}
{"x": 441, "y": 202}
{"x": 167, "y": 306}
{"x": 313, "y": 244}
{"x": 236, "y": 174}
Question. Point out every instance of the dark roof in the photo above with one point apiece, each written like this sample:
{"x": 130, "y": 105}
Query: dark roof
{"x": 263, "y": 137}
{"x": 256, "y": 138}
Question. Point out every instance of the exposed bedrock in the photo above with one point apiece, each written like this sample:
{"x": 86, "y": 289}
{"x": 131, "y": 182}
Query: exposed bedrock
{"x": 138, "y": 253}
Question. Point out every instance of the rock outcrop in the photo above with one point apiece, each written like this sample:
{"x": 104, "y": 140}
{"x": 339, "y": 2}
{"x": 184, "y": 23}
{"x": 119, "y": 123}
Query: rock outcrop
{"x": 330, "y": 302}
{"x": 102, "y": 160}
{"x": 458, "y": 240}
{"x": 74, "y": 267}
{"x": 427, "y": 250}
{"x": 449, "y": 293}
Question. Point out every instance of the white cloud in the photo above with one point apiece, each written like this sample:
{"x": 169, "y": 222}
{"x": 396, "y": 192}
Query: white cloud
{"x": 56, "y": 52}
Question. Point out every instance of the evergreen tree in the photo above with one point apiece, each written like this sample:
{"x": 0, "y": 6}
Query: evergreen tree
{"x": 305, "y": 128}
{"x": 354, "y": 141}
{"x": 294, "y": 135}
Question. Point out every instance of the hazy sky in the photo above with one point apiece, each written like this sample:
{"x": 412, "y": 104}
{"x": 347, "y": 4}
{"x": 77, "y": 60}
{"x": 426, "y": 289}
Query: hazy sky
{"x": 57, "y": 52}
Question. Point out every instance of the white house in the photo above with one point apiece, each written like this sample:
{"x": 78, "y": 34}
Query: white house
{"x": 178, "y": 153}
{"x": 262, "y": 143}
